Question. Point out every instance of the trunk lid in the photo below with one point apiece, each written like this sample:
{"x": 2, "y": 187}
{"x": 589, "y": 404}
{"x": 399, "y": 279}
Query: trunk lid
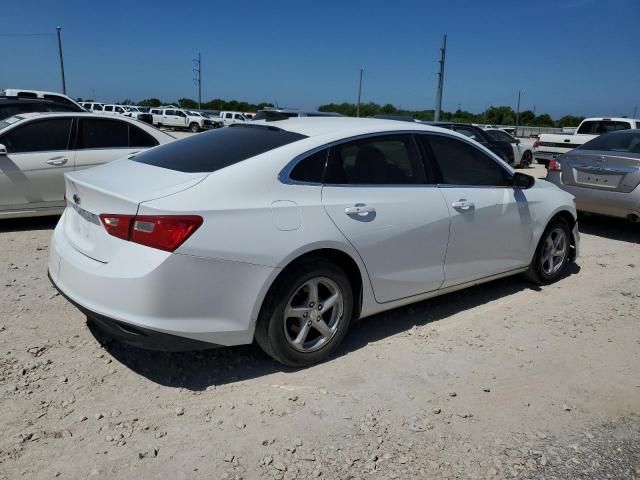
{"x": 601, "y": 170}
{"x": 117, "y": 188}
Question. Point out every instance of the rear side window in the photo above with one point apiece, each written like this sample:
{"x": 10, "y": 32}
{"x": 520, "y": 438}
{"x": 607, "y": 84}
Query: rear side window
{"x": 471, "y": 133}
{"x": 217, "y": 149}
{"x": 311, "y": 168}
{"x": 378, "y": 160}
{"x": 598, "y": 127}
{"x": 103, "y": 133}
{"x": 463, "y": 164}
{"x": 39, "y": 136}
{"x": 140, "y": 138}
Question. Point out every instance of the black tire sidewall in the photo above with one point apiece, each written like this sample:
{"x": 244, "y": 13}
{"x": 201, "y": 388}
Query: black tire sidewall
{"x": 281, "y": 349}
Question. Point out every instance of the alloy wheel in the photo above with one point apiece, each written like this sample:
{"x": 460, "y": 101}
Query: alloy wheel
{"x": 312, "y": 314}
{"x": 554, "y": 251}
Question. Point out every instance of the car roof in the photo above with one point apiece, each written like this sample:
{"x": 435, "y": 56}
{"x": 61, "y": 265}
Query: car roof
{"x": 344, "y": 126}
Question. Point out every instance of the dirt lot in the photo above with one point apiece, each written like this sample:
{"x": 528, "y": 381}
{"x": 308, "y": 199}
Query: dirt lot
{"x": 500, "y": 381}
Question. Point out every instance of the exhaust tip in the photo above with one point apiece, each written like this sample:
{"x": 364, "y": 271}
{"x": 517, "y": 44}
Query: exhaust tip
{"x": 633, "y": 218}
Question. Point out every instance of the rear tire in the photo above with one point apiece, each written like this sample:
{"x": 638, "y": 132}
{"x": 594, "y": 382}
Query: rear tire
{"x": 552, "y": 254}
{"x": 306, "y": 314}
{"x": 525, "y": 161}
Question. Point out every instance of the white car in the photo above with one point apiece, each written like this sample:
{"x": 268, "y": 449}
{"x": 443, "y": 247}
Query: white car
{"x": 522, "y": 154}
{"x": 287, "y": 231}
{"x": 37, "y": 149}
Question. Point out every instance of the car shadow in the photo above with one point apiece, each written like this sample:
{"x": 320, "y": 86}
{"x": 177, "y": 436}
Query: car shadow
{"x": 31, "y": 223}
{"x": 609, "y": 227}
{"x": 202, "y": 369}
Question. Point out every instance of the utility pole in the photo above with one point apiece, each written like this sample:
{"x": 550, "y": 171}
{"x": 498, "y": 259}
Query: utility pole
{"x": 359, "y": 92}
{"x": 443, "y": 52}
{"x": 517, "y": 113}
{"x": 635, "y": 112}
{"x": 64, "y": 84}
{"x": 197, "y": 77}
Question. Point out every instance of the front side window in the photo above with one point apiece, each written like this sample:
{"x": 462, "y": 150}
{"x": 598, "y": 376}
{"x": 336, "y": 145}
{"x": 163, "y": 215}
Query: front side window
{"x": 379, "y": 160}
{"x": 108, "y": 108}
{"x": 463, "y": 164}
{"x": 103, "y": 133}
{"x": 180, "y": 113}
{"x": 119, "y": 110}
{"x": 39, "y": 136}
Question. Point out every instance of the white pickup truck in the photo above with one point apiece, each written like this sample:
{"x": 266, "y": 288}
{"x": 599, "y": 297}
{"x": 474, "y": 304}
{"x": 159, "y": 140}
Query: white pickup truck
{"x": 178, "y": 118}
{"x": 550, "y": 145}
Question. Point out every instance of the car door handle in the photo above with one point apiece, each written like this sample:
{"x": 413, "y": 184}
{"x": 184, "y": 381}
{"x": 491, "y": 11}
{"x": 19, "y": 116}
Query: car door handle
{"x": 359, "y": 209}
{"x": 463, "y": 204}
{"x": 57, "y": 161}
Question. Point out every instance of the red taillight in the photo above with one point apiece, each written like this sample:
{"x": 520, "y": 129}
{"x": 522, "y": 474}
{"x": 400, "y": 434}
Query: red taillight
{"x": 536, "y": 144}
{"x": 117, "y": 225}
{"x": 165, "y": 232}
{"x": 554, "y": 166}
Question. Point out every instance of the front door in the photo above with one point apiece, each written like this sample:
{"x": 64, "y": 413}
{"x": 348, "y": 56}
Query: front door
{"x": 32, "y": 171}
{"x": 491, "y": 224}
{"x": 377, "y": 193}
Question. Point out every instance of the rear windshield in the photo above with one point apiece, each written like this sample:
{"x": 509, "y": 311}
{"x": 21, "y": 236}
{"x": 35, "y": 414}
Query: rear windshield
{"x": 214, "y": 150}
{"x": 615, "y": 142}
{"x": 598, "y": 127}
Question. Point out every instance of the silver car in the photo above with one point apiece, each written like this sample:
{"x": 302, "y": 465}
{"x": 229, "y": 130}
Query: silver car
{"x": 603, "y": 174}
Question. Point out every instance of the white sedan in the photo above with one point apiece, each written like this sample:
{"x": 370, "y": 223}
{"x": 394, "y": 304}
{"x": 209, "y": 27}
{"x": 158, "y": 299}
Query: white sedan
{"x": 522, "y": 154}
{"x": 37, "y": 149}
{"x": 286, "y": 231}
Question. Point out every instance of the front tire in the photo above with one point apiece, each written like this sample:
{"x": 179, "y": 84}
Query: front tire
{"x": 194, "y": 127}
{"x": 306, "y": 314}
{"x": 552, "y": 254}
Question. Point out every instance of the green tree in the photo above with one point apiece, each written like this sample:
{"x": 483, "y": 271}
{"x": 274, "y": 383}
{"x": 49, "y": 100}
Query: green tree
{"x": 543, "y": 120}
{"x": 187, "y": 103}
{"x": 526, "y": 117}
{"x": 569, "y": 121}
{"x": 502, "y": 115}
{"x": 150, "y": 102}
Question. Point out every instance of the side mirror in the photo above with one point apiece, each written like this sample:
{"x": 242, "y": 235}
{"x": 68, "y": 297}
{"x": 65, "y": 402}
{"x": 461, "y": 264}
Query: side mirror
{"x": 522, "y": 181}
{"x": 516, "y": 141}
{"x": 3, "y": 150}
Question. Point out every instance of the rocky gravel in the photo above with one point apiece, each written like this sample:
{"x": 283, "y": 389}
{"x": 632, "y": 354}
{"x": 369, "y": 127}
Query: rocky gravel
{"x": 503, "y": 380}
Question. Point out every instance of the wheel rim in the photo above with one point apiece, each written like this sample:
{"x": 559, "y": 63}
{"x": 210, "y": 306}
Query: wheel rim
{"x": 554, "y": 251}
{"x": 526, "y": 159}
{"x": 313, "y": 314}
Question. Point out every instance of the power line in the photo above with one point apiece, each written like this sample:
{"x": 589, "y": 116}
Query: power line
{"x": 26, "y": 34}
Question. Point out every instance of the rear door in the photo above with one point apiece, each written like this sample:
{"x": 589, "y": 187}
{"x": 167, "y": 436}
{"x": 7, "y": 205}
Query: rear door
{"x": 491, "y": 224}
{"x": 101, "y": 140}
{"x": 378, "y": 194}
{"x": 38, "y": 156}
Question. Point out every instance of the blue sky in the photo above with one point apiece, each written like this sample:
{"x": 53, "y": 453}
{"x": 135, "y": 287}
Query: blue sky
{"x": 567, "y": 56}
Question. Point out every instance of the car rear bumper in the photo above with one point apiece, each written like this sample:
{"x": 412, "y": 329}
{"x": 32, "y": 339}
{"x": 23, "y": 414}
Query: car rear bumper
{"x": 613, "y": 204}
{"x": 156, "y": 295}
{"x": 545, "y": 156}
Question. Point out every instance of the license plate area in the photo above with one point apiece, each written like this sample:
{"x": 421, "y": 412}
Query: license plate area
{"x": 598, "y": 179}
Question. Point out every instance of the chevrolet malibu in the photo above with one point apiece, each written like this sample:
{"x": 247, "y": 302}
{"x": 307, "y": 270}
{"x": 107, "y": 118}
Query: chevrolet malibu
{"x": 285, "y": 232}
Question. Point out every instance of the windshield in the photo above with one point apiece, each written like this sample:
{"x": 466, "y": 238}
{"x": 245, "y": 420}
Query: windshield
{"x": 628, "y": 142}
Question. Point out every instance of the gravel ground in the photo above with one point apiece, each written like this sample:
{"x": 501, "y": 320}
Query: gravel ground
{"x": 503, "y": 380}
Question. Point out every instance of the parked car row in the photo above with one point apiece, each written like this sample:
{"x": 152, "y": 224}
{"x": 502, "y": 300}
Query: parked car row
{"x": 549, "y": 145}
{"x": 36, "y": 150}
